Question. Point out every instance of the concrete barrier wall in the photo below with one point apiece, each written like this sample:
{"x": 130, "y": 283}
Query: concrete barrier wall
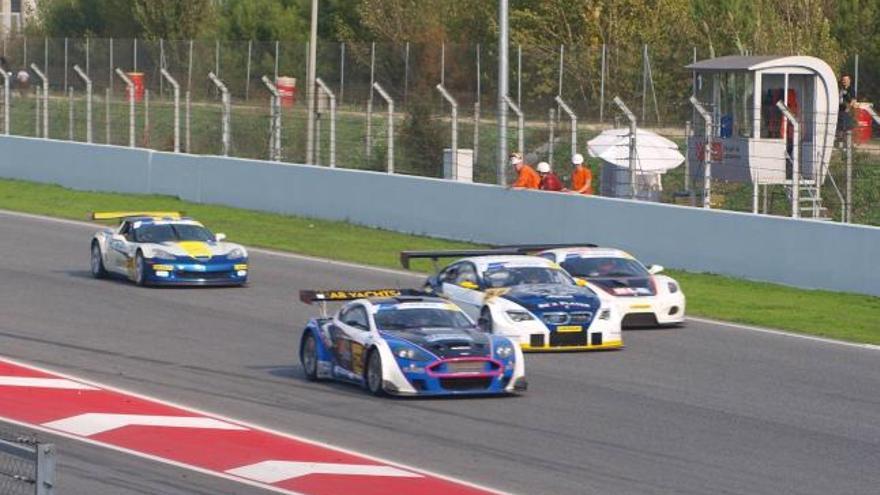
{"x": 801, "y": 253}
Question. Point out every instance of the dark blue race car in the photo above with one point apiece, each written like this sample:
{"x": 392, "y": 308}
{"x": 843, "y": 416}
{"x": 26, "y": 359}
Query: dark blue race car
{"x": 406, "y": 343}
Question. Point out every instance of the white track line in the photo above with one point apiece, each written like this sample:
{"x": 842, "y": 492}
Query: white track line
{"x": 254, "y": 426}
{"x": 420, "y": 276}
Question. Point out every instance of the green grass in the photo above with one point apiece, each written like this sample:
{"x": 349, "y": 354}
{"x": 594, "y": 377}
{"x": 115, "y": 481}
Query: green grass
{"x": 837, "y": 315}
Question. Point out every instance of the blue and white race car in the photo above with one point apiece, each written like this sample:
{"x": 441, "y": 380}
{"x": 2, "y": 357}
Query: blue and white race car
{"x": 163, "y": 248}
{"x": 406, "y": 343}
{"x": 527, "y": 299}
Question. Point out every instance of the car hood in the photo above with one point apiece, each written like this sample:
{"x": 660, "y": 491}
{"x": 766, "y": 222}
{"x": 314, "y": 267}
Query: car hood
{"x": 445, "y": 342}
{"x": 553, "y": 297}
{"x": 194, "y": 249}
{"x": 626, "y": 286}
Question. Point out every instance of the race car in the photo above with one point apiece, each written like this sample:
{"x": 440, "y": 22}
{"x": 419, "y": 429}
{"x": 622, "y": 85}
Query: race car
{"x": 528, "y": 299}
{"x": 643, "y": 297}
{"x": 165, "y": 248}
{"x": 406, "y": 343}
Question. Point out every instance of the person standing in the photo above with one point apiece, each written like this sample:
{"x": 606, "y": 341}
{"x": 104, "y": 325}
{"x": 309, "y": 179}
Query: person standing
{"x": 549, "y": 180}
{"x": 526, "y": 178}
{"x": 582, "y": 177}
{"x": 848, "y": 104}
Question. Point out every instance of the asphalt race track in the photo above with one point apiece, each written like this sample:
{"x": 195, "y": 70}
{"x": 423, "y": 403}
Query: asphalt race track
{"x": 694, "y": 410}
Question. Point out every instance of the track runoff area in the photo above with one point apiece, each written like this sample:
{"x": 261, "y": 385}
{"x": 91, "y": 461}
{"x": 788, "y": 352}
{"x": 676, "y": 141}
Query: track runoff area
{"x": 707, "y": 408}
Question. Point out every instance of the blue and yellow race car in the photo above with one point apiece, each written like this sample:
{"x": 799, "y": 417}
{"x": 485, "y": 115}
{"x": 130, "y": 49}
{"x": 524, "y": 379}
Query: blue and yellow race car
{"x": 165, "y": 248}
{"x": 406, "y": 343}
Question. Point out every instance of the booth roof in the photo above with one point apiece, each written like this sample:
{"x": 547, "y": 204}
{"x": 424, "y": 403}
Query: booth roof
{"x": 733, "y": 62}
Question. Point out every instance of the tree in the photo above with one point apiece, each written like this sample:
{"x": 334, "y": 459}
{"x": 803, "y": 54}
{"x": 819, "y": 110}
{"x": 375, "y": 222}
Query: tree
{"x": 262, "y": 20}
{"x": 173, "y": 19}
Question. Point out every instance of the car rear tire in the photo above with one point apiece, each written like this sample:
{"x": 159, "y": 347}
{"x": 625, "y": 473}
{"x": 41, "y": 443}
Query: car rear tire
{"x": 308, "y": 356}
{"x": 485, "y": 322}
{"x": 374, "y": 374}
{"x": 140, "y": 269}
{"x": 97, "y": 261}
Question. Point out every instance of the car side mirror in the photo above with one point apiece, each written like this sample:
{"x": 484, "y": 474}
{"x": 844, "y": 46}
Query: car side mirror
{"x": 655, "y": 269}
{"x": 580, "y": 282}
{"x": 467, "y": 284}
{"x": 219, "y": 236}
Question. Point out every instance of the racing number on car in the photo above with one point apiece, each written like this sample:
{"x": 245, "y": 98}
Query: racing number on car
{"x": 357, "y": 358}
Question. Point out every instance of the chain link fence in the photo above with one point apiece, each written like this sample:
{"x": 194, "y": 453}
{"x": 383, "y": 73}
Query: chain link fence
{"x": 26, "y": 465}
{"x": 545, "y": 83}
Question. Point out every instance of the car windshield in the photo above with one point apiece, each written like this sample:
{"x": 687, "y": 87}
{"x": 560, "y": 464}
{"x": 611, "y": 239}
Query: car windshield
{"x": 402, "y": 319}
{"x": 525, "y": 275}
{"x": 604, "y": 267}
{"x": 167, "y": 232}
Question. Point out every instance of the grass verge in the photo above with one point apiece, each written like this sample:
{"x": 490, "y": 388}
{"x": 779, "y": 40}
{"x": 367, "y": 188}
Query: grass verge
{"x": 843, "y": 316}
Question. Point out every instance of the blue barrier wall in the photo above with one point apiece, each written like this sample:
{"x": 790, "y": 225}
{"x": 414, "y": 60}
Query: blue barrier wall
{"x": 801, "y": 253}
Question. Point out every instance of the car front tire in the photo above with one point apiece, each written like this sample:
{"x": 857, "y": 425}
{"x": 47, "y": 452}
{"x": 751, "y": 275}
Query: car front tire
{"x": 97, "y": 261}
{"x": 374, "y": 374}
{"x": 140, "y": 269}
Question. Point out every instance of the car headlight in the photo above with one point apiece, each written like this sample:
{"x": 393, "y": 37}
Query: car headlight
{"x": 605, "y": 314}
{"x": 236, "y": 254}
{"x": 519, "y": 315}
{"x": 673, "y": 287}
{"x": 162, "y": 254}
{"x": 504, "y": 351}
{"x": 410, "y": 353}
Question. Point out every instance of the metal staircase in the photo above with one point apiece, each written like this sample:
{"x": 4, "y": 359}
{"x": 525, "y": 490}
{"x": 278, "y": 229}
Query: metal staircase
{"x": 810, "y": 202}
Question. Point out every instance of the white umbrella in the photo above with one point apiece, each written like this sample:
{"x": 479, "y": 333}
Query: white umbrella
{"x": 654, "y": 153}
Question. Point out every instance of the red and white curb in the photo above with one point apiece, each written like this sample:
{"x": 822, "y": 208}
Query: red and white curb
{"x": 204, "y": 442}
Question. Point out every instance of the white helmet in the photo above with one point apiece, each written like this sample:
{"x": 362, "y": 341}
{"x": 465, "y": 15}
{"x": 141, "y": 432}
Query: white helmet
{"x": 543, "y": 168}
{"x": 577, "y": 159}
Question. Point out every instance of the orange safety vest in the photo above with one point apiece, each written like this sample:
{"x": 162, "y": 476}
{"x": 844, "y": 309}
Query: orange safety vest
{"x": 582, "y": 177}
{"x": 527, "y": 178}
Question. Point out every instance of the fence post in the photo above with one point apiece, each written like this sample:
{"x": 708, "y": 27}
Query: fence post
{"x": 45, "y": 482}
{"x": 70, "y": 113}
{"x": 226, "y": 104}
{"x": 574, "y": 123}
{"x": 107, "y": 95}
{"x": 390, "y": 103}
{"x": 369, "y": 141}
{"x": 6, "y": 76}
{"x": 45, "y": 96}
{"x": 176, "y": 87}
{"x": 323, "y": 87}
{"x": 633, "y": 132}
{"x": 520, "y": 126}
{"x": 707, "y": 152}
{"x": 247, "y": 80}
{"x": 187, "y": 119}
{"x": 275, "y": 121}
{"x": 602, "y": 88}
{"x": 145, "y": 140}
{"x": 795, "y": 166}
{"x": 37, "y": 106}
{"x": 552, "y": 126}
{"x": 849, "y": 154}
{"x": 130, "y": 89}
{"x": 88, "y": 82}
{"x": 454, "y": 144}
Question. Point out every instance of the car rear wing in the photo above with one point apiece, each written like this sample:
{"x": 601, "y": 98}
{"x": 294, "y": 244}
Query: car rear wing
{"x": 406, "y": 256}
{"x": 116, "y": 215}
{"x": 336, "y": 295}
{"x": 534, "y": 248}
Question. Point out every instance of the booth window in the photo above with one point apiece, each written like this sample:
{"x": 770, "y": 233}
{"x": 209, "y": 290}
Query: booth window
{"x": 772, "y": 121}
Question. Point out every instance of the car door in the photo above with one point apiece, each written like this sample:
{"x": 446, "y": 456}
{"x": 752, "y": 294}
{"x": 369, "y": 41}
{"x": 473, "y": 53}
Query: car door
{"x": 349, "y": 339}
{"x": 118, "y": 247}
{"x": 462, "y": 286}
